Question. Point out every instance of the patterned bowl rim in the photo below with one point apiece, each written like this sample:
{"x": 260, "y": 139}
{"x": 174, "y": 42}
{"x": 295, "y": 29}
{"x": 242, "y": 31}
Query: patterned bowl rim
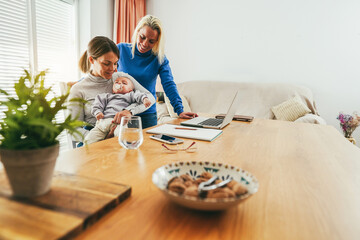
{"x": 209, "y": 200}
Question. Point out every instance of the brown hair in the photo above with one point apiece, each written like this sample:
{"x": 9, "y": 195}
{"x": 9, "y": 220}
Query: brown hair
{"x": 97, "y": 47}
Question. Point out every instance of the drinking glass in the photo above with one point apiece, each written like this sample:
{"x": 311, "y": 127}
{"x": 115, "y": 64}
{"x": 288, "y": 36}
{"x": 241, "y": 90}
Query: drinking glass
{"x": 130, "y": 134}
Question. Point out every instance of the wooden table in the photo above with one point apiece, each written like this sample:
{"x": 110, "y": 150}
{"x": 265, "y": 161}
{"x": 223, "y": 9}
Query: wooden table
{"x": 309, "y": 179}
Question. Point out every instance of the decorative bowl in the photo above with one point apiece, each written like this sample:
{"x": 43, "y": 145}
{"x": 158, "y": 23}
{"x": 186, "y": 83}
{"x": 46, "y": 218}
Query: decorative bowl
{"x": 162, "y": 175}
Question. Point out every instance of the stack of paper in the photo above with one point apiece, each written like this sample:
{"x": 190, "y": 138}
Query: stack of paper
{"x": 205, "y": 134}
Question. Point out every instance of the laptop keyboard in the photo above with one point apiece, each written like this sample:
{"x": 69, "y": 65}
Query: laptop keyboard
{"x": 211, "y": 122}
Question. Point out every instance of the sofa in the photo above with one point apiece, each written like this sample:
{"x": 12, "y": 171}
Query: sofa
{"x": 262, "y": 100}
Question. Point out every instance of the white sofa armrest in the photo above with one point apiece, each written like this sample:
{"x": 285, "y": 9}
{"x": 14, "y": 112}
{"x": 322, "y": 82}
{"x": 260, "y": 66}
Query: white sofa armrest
{"x": 311, "y": 118}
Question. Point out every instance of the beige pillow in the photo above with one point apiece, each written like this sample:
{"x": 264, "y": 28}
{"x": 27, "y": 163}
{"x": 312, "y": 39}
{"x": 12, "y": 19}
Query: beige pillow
{"x": 171, "y": 109}
{"x": 290, "y": 110}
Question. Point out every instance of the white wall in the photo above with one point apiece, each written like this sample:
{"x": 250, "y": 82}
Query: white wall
{"x": 305, "y": 42}
{"x": 96, "y": 18}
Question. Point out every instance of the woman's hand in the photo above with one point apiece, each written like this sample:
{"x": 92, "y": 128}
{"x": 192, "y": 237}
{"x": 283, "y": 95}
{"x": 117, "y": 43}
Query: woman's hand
{"x": 187, "y": 115}
{"x": 121, "y": 114}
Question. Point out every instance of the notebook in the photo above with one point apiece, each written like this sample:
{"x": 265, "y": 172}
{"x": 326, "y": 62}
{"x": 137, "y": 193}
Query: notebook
{"x": 215, "y": 122}
{"x": 186, "y": 132}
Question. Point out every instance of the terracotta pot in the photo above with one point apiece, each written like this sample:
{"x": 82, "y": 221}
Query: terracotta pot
{"x": 30, "y": 171}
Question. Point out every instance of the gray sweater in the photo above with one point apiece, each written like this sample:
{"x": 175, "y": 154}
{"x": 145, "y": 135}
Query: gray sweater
{"x": 91, "y": 86}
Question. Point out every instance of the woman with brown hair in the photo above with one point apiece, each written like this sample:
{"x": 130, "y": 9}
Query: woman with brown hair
{"x": 99, "y": 62}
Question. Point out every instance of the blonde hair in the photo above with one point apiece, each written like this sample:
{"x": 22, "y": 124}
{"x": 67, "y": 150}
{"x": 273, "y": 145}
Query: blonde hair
{"x": 155, "y": 24}
{"x": 97, "y": 47}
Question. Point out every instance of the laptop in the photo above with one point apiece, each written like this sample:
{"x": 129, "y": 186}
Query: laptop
{"x": 215, "y": 122}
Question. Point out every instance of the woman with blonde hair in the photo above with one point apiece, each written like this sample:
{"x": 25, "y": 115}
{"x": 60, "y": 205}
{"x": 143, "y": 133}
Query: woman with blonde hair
{"x": 145, "y": 60}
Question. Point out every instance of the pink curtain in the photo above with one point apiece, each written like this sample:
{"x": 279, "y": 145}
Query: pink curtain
{"x": 127, "y": 13}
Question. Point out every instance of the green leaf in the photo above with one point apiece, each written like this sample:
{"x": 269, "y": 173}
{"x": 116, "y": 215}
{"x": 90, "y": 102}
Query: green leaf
{"x": 29, "y": 121}
{"x": 4, "y": 92}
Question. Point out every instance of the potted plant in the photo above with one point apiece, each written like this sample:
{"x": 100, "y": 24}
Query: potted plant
{"x": 28, "y": 132}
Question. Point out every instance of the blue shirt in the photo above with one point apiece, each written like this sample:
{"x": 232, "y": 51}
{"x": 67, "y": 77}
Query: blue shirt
{"x": 145, "y": 68}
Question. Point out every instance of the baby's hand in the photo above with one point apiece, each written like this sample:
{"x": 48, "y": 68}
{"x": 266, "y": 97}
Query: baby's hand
{"x": 147, "y": 102}
{"x": 99, "y": 116}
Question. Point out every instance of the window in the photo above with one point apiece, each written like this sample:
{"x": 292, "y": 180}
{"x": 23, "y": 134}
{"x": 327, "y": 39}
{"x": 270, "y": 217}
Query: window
{"x": 38, "y": 35}
{"x": 14, "y": 47}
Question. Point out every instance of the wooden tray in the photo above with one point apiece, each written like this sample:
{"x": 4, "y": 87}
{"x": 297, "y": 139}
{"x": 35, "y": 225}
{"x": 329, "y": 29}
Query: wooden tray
{"x": 72, "y": 205}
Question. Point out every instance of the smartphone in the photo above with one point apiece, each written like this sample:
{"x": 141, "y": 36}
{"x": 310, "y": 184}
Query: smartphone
{"x": 237, "y": 117}
{"x": 167, "y": 139}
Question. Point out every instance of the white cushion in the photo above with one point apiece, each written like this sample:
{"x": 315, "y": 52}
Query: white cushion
{"x": 290, "y": 110}
{"x": 171, "y": 109}
{"x": 161, "y": 110}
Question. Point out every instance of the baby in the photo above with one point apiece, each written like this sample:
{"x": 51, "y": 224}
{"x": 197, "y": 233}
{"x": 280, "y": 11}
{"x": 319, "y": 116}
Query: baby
{"x": 106, "y": 105}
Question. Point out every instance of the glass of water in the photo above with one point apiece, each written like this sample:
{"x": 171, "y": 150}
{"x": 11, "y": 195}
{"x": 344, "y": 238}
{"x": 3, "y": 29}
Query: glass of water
{"x": 130, "y": 134}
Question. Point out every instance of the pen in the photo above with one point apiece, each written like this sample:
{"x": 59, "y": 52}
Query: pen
{"x": 185, "y": 128}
